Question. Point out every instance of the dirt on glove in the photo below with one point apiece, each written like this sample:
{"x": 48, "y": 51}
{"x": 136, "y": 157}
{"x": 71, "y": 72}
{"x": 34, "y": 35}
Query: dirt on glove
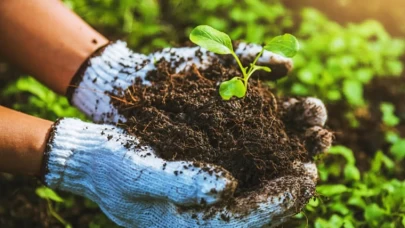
{"x": 183, "y": 117}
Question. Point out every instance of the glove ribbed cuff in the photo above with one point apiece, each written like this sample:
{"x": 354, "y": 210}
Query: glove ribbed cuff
{"x": 106, "y": 73}
{"x": 72, "y": 146}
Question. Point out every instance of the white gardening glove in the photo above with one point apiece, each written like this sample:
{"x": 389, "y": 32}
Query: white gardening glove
{"x": 112, "y": 70}
{"x": 129, "y": 183}
{"x": 134, "y": 188}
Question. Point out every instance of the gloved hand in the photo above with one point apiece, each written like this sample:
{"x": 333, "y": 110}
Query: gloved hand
{"x": 135, "y": 188}
{"x": 130, "y": 184}
{"x": 108, "y": 73}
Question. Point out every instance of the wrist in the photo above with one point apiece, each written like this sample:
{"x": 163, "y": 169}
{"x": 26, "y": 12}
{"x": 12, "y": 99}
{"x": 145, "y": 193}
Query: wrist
{"x": 23, "y": 140}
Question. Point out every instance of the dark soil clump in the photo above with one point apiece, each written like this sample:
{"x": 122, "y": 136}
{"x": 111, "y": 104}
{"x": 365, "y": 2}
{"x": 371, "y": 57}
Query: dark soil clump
{"x": 183, "y": 117}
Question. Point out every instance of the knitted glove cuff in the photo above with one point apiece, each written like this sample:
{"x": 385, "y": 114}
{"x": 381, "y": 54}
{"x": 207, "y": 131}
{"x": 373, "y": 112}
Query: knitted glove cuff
{"x": 71, "y": 150}
{"x": 92, "y": 160}
{"x": 105, "y": 75}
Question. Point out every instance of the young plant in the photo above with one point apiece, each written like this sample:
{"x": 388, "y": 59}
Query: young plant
{"x": 220, "y": 43}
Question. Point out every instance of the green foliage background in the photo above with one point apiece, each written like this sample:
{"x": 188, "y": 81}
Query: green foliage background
{"x": 336, "y": 63}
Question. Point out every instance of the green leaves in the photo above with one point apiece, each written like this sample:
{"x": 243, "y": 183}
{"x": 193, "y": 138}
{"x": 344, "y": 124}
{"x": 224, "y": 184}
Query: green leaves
{"x": 374, "y": 214}
{"x": 398, "y": 149}
{"x": 333, "y": 189}
{"x": 233, "y": 87}
{"x": 220, "y": 43}
{"x": 353, "y": 91}
{"x": 286, "y": 45}
{"x": 211, "y": 39}
{"x": 388, "y": 111}
{"x": 47, "y": 193}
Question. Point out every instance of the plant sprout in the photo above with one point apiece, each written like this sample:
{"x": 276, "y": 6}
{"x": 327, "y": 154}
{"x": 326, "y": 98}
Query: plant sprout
{"x": 220, "y": 43}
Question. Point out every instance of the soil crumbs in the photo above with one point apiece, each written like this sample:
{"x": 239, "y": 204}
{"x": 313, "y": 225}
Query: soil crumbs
{"x": 183, "y": 117}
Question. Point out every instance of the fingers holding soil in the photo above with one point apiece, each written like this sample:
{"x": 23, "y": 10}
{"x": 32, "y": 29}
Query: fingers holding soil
{"x": 317, "y": 140}
{"x": 305, "y": 117}
{"x": 270, "y": 205}
{"x": 280, "y": 197}
{"x": 304, "y": 111}
{"x": 185, "y": 57}
{"x": 194, "y": 183}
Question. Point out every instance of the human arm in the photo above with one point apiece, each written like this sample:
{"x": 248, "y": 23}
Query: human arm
{"x": 46, "y": 39}
{"x": 23, "y": 139}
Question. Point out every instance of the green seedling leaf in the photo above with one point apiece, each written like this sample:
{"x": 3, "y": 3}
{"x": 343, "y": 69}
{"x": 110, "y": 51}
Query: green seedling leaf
{"x": 398, "y": 149}
{"x": 374, "y": 214}
{"x": 351, "y": 172}
{"x": 388, "y": 111}
{"x": 345, "y": 152}
{"x": 267, "y": 69}
{"x": 332, "y": 189}
{"x": 286, "y": 45}
{"x": 392, "y": 137}
{"x": 353, "y": 91}
{"x": 340, "y": 207}
{"x": 211, "y": 39}
{"x": 233, "y": 87}
{"x": 357, "y": 201}
{"x": 47, "y": 193}
{"x": 381, "y": 159}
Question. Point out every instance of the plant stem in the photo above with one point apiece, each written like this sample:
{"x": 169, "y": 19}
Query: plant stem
{"x": 56, "y": 215}
{"x": 258, "y": 56}
{"x": 246, "y": 79}
{"x": 240, "y": 65}
{"x": 254, "y": 62}
{"x": 250, "y": 73}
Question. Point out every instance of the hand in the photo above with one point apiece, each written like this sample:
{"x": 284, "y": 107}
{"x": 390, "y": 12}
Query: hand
{"x": 113, "y": 69}
{"x": 116, "y": 68}
{"x": 135, "y": 188}
{"x": 130, "y": 184}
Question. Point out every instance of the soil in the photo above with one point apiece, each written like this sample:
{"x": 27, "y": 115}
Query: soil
{"x": 183, "y": 117}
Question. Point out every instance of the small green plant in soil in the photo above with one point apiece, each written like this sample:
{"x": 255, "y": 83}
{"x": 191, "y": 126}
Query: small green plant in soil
{"x": 220, "y": 43}
{"x": 49, "y": 195}
{"x": 348, "y": 198}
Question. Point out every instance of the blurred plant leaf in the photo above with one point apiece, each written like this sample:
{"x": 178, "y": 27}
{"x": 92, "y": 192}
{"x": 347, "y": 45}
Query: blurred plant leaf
{"x": 47, "y": 193}
{"x": 389, "y": 118}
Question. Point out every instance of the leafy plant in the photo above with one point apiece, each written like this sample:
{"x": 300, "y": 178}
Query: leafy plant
{"x": 389, "y": 118}
{"x": 248, "y": 20}
{"x": 36, "y": 99}
{"x": 336, "y": 62}
{"x": 220, "y": 43}
{"x": 350, "y": 199}
{"x": 49, "y": 195}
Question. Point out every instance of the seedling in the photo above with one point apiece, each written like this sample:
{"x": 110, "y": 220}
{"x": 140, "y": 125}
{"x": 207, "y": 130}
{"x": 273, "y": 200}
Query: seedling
{"x": 220, "y": 43}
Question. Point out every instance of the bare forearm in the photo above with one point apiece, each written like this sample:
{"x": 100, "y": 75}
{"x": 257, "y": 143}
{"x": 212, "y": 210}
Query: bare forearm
{"x": 46, "y": 39}
{"x": 22, "y": 142}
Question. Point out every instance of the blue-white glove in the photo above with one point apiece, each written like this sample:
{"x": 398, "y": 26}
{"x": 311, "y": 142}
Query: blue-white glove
{"x": 133, "y": 186}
